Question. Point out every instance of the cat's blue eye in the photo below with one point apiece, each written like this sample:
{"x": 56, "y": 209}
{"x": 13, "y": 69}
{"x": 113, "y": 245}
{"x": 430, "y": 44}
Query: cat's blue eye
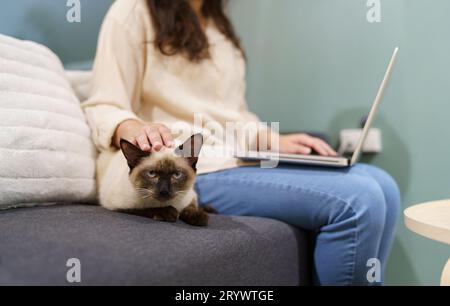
{"x": 177, "y": 175}
{"x": 152, "y": 174}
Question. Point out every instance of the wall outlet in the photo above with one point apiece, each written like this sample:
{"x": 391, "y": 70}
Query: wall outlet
{"x": 349, "y": 140}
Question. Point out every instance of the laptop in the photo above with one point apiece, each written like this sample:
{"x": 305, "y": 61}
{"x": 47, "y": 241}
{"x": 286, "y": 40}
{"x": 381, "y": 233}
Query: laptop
{"x": 337, "y": 162}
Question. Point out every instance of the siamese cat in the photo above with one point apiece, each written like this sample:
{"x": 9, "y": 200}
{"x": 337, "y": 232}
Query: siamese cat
{"x": 163, "y": 182}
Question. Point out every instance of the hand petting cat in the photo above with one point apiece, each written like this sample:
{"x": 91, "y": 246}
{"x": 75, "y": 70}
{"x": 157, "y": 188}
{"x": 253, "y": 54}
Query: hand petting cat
{"x": 146, "y": 136}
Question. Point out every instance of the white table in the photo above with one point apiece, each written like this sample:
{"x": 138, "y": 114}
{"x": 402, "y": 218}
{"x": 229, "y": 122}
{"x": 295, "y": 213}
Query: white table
{"x": 432, "y": 220}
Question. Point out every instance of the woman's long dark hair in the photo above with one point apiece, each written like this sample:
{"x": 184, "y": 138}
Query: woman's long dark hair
{"x": 178, "y": 29}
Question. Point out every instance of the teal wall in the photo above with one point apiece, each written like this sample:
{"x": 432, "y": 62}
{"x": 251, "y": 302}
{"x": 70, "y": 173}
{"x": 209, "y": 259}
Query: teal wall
{"x": 316, "y": 65}
{"x": 44, "y": 21}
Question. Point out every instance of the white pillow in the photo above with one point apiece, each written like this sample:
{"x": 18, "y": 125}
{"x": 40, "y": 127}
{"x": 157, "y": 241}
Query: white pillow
{"x": 46, "y": 152}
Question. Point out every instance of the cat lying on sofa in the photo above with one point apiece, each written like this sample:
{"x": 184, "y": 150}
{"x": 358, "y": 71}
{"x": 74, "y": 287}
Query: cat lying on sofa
{"x": 163, "y": 183}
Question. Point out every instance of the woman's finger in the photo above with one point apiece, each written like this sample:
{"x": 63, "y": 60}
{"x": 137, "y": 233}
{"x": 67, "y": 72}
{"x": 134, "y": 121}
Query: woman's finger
{"x": 142, "y": 142}
{"x": 304, "y": 140}
{"x": 318, "y": 147}
{"x": 327, "y": 147}
{"x": 154, "y": 137}
{"x": 300, "y": 149}
{"x": 317, "y": 144}
{"x": 133, "y": 140}
{"x": 166, "y": 136}
{"x": 311, "y": 143}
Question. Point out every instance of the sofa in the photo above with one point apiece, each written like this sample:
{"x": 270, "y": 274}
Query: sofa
{"x": 49, "y": 216}
{"x": 118, "y": 249}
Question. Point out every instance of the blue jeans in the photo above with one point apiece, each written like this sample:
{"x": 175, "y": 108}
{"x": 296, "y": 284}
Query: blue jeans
{"x": 353, "y": 211}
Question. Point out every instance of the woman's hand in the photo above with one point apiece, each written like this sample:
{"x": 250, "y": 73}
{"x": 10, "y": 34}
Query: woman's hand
{"x": 304, "y": 144}
{"x": 145, "y": 136}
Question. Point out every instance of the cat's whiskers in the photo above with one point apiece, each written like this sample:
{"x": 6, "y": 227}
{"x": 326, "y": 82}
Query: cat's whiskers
{"x": 145, "y": 193}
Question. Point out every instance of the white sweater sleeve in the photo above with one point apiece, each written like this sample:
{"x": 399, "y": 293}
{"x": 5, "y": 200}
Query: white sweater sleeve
{"x": 116, "y": 89}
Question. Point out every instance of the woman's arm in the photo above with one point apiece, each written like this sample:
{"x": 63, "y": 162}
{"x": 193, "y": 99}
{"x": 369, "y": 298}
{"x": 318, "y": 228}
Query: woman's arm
{"x": 116, "y": 90}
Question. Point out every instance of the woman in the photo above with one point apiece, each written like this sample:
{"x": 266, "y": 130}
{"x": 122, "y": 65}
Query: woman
{"x": 160, "y": 62}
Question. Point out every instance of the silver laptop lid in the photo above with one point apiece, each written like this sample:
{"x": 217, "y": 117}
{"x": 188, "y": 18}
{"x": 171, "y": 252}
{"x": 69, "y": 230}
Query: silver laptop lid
{"x": 374, "y": 109}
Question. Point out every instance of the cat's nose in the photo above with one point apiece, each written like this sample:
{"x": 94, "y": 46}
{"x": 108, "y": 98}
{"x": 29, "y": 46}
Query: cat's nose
{"x": 164, "y": 189}
{"x": 164, "y": 193}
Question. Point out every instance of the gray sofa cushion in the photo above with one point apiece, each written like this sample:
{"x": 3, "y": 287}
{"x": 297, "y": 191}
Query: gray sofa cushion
{"x": 118, "y": 249}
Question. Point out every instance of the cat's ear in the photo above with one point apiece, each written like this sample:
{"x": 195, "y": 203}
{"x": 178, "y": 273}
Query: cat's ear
{"x": 190, "y": 150}
{"x": 132, "y": 153}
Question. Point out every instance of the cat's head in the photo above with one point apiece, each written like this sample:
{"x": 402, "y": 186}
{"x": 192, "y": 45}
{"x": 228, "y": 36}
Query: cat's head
{"x": 166, "y": 174}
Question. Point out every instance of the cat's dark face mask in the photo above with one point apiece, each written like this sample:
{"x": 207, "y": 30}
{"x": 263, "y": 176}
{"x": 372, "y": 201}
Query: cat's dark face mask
{"x": 163, "y": 179}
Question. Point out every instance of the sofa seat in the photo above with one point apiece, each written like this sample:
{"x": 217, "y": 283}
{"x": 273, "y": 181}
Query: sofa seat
{"x": 119, "y": 249}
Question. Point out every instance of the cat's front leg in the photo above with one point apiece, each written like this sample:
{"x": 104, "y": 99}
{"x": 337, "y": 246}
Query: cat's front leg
{"x": 193, "y": 215}
{"x": 165, "y": 214}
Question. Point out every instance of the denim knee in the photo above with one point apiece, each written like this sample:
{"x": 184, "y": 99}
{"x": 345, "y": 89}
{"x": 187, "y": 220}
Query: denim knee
{"x": 368, "y": 203}
{"x": 389, "y": 187}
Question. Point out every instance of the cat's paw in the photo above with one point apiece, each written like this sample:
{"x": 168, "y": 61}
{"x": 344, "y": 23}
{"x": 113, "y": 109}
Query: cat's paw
{"x": 166, "y": 214}
{"x": 171, "y": 214}
{"x": 157, "y": 217}
{"x": 209, "y": 210}
{"x": 195, "y": 217}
